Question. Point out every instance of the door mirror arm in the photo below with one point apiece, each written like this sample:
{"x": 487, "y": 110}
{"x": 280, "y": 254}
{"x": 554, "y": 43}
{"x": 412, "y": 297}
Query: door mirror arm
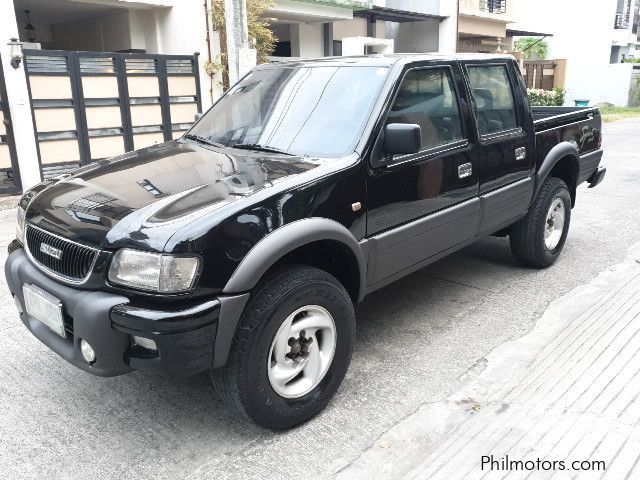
{"x": 380, "y": 159}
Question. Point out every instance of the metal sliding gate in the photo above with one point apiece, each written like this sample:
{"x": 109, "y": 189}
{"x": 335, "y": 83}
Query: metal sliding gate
{"x": 9, "y": 172}
{"x": 92, "y": 105}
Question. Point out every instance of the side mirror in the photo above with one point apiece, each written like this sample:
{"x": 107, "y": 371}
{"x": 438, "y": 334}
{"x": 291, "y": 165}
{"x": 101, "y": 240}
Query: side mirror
{"x": 402, "y": 138}
{"x": 198, "y": 116}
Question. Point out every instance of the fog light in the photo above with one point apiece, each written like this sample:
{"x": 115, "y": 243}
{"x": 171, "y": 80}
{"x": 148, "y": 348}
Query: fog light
{"x": 145, "y": 343}
{"x": 87, "y": 351}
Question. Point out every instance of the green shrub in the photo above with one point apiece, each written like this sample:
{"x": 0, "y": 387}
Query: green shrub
{"x": 532, "y": 48}
{"x": 546, "y": 98}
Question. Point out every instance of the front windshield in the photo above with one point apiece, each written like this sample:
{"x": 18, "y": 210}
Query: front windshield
{"x": 306, "y": 111}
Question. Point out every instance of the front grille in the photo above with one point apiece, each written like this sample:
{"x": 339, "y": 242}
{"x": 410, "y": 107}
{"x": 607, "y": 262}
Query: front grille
{"x": 75, "y": 262}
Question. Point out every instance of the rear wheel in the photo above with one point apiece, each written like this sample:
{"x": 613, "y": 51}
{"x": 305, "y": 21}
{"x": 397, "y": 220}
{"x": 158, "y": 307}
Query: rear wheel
{"x": 538, "y": 238}
{"x": 291, "y": 350}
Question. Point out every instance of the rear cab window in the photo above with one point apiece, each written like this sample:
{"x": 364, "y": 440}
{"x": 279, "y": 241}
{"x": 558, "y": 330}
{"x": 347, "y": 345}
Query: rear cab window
{"x": 493, "y": 94}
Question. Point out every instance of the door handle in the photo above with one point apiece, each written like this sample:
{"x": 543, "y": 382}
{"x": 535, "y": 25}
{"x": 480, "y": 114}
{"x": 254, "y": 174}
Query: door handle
{"x": 465, "y": 170}
{"x": 521, "y": 153}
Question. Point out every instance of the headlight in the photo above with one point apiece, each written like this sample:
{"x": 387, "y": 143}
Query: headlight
{"x": 20, "y": 219}
{"x": 154, "y": 272}
{"x": 21, "y": 215}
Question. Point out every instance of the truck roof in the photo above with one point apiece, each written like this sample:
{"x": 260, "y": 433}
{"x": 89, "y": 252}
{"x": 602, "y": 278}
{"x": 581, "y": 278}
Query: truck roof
{"x": 388, "y": 60}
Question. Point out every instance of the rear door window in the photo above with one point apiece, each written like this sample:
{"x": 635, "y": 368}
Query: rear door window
{"x": 494, "y": 98}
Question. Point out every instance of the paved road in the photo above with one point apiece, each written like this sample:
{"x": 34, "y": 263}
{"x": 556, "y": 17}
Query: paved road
{"x": 566, "y": 393}
{"x": 558, "y": 403}
{"x": 418, "y": 341}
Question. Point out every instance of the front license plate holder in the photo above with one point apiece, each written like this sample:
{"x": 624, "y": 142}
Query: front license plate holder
{"x": 44, "y": 307}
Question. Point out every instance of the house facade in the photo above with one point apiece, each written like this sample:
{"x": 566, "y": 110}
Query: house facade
{"x": 90, "y": 79}
{"x": 97, "y": 78}
{"x": 625, "y": 35}
{"x": 482, "y": 25}
{"x": 308, "y": 29}
{"x": 608, "y": 34}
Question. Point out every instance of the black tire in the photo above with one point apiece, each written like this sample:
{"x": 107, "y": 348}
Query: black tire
{"x": 527, "y": 236}
{"x": 243, "y": 383}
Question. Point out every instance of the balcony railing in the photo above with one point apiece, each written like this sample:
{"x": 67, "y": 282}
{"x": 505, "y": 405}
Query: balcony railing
{"x": 493, "y": 6}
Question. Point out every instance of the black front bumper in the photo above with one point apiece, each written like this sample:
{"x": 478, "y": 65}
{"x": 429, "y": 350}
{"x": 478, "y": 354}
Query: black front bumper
{"x": 185, "y": 337}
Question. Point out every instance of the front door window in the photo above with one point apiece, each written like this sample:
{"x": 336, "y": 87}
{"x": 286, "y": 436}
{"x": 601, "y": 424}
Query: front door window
{"x": 427, "y": 98}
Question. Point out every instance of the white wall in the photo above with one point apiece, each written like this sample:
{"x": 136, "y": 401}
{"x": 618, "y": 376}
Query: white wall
{"x": 418, "y": 6}
{"x": 356, "y": 28}
{"x": 612, "y": 85}
{"x": 426, "y": 35}
{"x": 182, "y": 30}
{"x": 311, "y": 43}
{"x": 583, "y": 36}
{"x": 312, "y": 12}
{"x": 448, "y": 31}
{"x": 350, "y": 28}
{"x": 417, "y": 37}
{"x": 356, "y": 45}
{"x": 142, "y": 28}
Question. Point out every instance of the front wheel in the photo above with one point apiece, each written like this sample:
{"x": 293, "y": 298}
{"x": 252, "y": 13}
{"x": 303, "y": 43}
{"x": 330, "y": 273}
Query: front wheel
{"x": 538, "y": 238}
{"x": 291, "y": 350}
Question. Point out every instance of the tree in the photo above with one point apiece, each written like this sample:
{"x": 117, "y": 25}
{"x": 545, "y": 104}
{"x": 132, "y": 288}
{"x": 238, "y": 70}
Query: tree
{"x": 261, "y": 37}
{"x": 532, "y": 48}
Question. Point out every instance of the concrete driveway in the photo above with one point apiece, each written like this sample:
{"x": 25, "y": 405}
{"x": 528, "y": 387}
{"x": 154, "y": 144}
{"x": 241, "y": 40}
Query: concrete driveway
{"x": 418, "y": 341}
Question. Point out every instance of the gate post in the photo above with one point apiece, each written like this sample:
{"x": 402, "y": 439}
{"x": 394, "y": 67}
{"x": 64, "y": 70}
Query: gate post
{"x": 18, "y": 101}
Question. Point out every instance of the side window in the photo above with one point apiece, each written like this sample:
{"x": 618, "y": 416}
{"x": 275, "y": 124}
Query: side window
{"x": 427, "y": 98}
{"x": 494, "y": 98}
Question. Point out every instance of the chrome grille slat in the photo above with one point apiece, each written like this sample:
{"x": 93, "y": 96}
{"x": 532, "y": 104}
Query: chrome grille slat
{"x": 55, "y": 265}
{"x": 76, "y": 266}
{"x": 76, "y": 261}
{"x": 75, "y": 257}
{"x": 68, "y": 267}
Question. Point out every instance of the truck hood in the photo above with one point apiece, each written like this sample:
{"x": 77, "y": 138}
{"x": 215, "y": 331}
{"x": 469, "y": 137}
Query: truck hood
{"x": 161, "y": 188}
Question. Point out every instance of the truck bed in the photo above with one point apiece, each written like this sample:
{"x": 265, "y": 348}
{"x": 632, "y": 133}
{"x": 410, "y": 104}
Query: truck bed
{"x": 579, "y": 125}
{"x": 545, "y": 118}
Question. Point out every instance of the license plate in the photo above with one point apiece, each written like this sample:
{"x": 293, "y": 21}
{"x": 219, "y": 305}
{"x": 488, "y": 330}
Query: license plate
{"x": 44, "y": 307}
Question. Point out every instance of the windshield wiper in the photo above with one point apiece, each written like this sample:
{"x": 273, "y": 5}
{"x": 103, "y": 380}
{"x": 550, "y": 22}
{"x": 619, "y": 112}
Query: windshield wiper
{"x": 204, "y": 140}
{"x": 260, "y": 148}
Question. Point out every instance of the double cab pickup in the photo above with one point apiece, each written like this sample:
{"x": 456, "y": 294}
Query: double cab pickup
{"x": 241, "y": 248}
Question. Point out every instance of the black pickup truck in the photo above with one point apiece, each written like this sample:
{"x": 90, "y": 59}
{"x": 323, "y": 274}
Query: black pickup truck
{"x": 242, "y": 247}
